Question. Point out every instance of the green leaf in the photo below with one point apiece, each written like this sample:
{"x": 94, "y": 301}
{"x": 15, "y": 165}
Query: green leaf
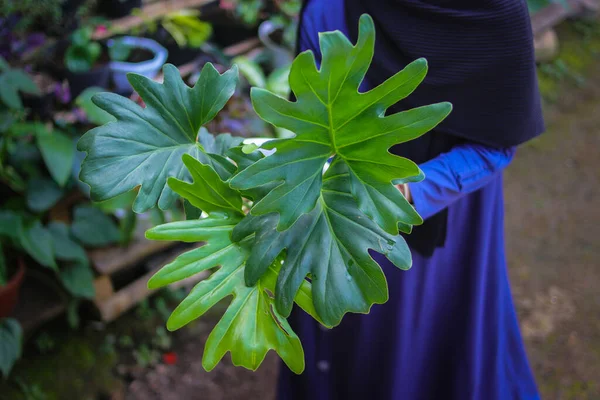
{"x": 344, "y": 277}
{"x": 11, "y": 342}
{"x": 3, "y": 64}
{"x": 78, "y": 279}
{"x": 251, "y": 71}
{"x": 37, "y": 242}
{"x": 13, "y": 81}
{"x": 93, "y": 228}
{"x": 65, "y": 248}
{"x": 58, "y": 153}
{"x": 3, "y": 269}
{"x": 42, "y": 194}
{"x": 144, "y": 146}
{"x": 251, "y": 326}
{"x": 331, "y": 117}
{"x": 94, "y": 114}
{"x": 207, "y": 192}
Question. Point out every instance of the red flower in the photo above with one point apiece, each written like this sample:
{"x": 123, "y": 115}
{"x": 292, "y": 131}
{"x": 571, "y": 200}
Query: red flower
{"x": 170, "y": 358}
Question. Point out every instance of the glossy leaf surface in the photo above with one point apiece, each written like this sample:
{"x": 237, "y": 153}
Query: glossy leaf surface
{"x": 331, "y": 117}
{"x": 143, "y": 147}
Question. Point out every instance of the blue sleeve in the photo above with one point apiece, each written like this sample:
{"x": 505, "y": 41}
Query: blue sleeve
{"x": 462, "y": 170}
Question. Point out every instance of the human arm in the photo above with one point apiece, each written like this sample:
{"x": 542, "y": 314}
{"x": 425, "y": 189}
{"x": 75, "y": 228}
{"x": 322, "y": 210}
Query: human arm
{"x": 452, "y": 175}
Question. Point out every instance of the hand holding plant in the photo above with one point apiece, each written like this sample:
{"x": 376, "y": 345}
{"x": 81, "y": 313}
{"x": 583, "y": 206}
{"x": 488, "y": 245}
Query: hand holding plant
{"x": 307, "y": 237}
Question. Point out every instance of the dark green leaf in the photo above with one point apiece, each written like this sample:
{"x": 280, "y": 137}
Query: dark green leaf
{"x": 144, "y": 146}
{"x": 331, "y": 117}
{"x": 11, "y": 341}
{"x": 78, "y": 279}
{"x": 37, "y": 242}
{"x": 42, "y": 194}
{"x": 191, "y": 212}
{"x": 3, "y": 269}
{"x": 344, "y": 276}
{"x": 58, "y": 152}
{"x": 93, "y": 228}
{"x": 65, "y": 248}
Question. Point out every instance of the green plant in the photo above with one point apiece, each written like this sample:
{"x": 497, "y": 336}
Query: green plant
{"x": 83, "y": 52}
{"x": 36, "y": 171}
{"x": 184, "y": 26}
{"x": 146, "y": 356}
{"x": 13, "y": 81}
{"x": 11, "y": 338}
{"x": 307, "y": 235}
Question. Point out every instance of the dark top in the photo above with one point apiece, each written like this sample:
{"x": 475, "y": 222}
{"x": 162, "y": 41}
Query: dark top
{"x": 481, "y": 59}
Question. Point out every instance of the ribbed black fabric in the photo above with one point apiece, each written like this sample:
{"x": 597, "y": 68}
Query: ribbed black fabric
{"x": 481, "y": 59}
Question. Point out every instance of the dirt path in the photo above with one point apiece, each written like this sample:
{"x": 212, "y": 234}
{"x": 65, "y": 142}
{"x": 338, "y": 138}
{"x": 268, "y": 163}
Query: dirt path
{"x": 553, "y": 244}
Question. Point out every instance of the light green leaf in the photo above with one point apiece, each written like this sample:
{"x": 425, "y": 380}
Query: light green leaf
{"x": 207, "y": 192}
{"x": 251, "y": 71}
{"x": 58, "y": 152}
{"x": 331, "y": 117}
{"x": 42, "y": 194}
{"x": 11, "y": 342}
{"x": 93, "y": 228}
{"x": 251, "y": 326}
{"x": 144, "y": 146}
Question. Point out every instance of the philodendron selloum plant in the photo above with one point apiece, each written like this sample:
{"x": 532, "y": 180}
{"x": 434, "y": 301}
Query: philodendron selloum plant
{"x": 307, "y": 235}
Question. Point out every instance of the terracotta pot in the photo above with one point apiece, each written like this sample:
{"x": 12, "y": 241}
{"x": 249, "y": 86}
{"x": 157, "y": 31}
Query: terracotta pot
{"x": 9, "y": 293}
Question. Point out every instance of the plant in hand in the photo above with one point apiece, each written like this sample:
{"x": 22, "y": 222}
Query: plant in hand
{"x": 309, "y": 229}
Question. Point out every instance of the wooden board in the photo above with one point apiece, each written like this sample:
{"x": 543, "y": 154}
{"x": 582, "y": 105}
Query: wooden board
{"x": 115, "y": 304}
{"x": 150, "y": 12}
{"x": 112, "y": 259}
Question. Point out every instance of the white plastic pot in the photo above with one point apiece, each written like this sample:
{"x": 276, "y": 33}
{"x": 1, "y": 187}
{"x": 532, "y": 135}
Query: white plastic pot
{"x": 148, "y": 68}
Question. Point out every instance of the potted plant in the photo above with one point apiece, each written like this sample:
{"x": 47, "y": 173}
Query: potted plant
{"x": 86, "y": 62}
{"x": 182, "y": 33}
{"x": 133, "y": 54}
{"x": 291, "y": 222}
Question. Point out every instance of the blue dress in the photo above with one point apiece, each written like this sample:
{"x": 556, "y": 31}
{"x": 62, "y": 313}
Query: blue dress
{"x": 449, "y": 329}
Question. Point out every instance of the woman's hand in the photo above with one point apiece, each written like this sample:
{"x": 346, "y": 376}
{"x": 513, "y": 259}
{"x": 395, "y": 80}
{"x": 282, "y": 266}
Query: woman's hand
{"x": 405, "y": 190}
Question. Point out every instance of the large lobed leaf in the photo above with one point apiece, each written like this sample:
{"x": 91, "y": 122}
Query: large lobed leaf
{"x": 331, "y": 117}
{"x": 331, "y": 244}
{"x": 143, "y": 147}
{"x": 308, "y": 237}
{"x": 251, "y": 326}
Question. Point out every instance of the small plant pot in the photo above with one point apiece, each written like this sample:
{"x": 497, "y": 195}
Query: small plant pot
{"x": 79, "y": 81}
{"x": 118, "y": 8}
{"x": 9, "y": 293}
{"x": 148, "y": 68}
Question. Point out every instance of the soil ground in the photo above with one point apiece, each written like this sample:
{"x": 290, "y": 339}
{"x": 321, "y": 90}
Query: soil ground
{"x": 552, "y": 229}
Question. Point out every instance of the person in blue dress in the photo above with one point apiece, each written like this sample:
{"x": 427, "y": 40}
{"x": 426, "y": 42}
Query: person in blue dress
{"x": 449, "y": 329}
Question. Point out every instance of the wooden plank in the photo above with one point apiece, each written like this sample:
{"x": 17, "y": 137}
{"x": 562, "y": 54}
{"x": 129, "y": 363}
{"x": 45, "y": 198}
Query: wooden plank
{"x": 150, "y": 12}
{"x": 242, "y": 47}
{"x": 124, "y": 299}
{"x": 103, "y": 287}
{"x": 109, "y": 260}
